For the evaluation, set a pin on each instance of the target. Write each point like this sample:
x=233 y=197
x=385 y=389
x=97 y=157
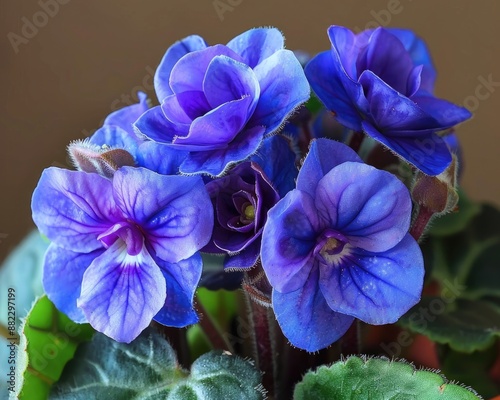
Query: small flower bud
x=438 y=193
x=103 y=160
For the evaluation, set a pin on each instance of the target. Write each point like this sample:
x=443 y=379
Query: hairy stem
x=213 y=333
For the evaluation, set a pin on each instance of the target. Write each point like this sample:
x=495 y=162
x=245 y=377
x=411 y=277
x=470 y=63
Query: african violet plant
x=314 y=204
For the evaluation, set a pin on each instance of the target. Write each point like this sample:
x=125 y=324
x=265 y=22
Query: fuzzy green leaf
x=49 y=340
x=147 y=369
x=465 y=325
x=377 y=379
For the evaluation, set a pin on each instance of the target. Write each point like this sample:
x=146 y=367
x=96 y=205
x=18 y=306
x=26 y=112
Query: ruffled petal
x=377 y=288
x=420 y=55
x=288 y=241
x=190 y=70
x=447 y=114
x=73 y=207
x=283 y=87
x=338 y=92
x=324 y=154
x=255 y=45
x=160 y=158
x=427 y=152
x=155 y=126
x=121 y=294
x=227 y=80
x=245 y=259
x=306 y=319
x=174 y=212
x=217 y=128
x=277 y=160
x=126 y=116
x=372 y=208
x=173 y=54
x=392 y=112
x=62 y=278
x=182 y=280
x=215 y=162
x=386 y=57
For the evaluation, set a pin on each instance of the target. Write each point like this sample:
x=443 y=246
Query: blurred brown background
x=84 y=59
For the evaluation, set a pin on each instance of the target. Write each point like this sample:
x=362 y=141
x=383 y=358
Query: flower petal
x=62 y=278
x=392 y=112
x=227 y=80
x=155 y=126
x=306 y=319
x=283 y=87
x=245 y=259
x=428 y=152
x=160 y=158
x=324 y=154
x=420 y=55
x=73 y=207
x=277 y=160
x=126 y=116
x=174 y=212
x=182 y=280
x=447 y=114
x=215 y=162
x=288 y=241
x=372 y=208
x=217 y=128
x=173 y=54
x=255 y=45
x=377 y=288
x=121 y=294
x=336 y=90
x=190 y=70
x=115 y=137
x=386 y=57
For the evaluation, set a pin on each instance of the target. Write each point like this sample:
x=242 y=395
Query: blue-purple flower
x=219 y=102
x=241 y=201
x=338 y=248
x=380 y=82
x=124 y=250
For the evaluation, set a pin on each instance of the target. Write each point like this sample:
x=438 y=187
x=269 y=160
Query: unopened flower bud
x=103 y=160
x=438 y=193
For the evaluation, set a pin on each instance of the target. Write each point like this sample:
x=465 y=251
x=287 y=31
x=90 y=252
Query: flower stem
x=213 y=333
x=420 y=223
x=356 y=140
x=263 y=346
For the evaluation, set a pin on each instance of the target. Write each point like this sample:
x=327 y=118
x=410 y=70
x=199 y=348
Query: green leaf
x=20 y=283
x=465 y=325
x=470 y=256
x=457 y=221
x=377 y=379
x=48 y=341
x=147 y=369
